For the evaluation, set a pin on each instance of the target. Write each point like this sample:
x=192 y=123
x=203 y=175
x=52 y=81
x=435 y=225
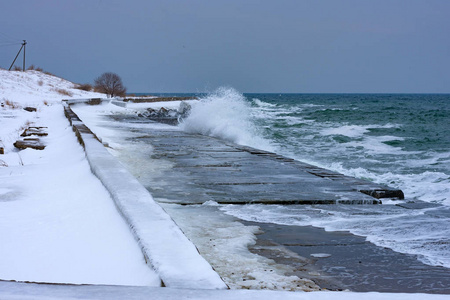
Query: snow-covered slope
x=57 y=221
x=35 y=88
x=31 y=88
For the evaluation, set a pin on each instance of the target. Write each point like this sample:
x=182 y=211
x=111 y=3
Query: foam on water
x=370 y=151
x=380 y=152
x=225 y=114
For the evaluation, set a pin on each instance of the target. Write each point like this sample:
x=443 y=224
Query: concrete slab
x=206 y=168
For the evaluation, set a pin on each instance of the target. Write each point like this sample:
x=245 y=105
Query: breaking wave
x=225 y=114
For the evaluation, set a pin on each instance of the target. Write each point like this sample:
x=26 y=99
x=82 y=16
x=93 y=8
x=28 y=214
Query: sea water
x=401 y=140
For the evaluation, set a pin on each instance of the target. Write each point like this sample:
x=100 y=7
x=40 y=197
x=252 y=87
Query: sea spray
x=225 y=114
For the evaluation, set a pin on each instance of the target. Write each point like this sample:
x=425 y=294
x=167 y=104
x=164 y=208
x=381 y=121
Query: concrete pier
x=206 y=168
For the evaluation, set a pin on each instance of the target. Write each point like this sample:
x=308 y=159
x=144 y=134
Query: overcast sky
x=319 y=46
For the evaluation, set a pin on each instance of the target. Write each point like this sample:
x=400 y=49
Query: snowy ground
x=57 y=221
x=59 y=224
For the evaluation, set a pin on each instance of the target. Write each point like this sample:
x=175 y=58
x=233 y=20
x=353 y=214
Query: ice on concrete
x=167 y=249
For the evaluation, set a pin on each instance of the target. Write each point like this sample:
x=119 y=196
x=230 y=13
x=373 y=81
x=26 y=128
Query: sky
x=298 y=46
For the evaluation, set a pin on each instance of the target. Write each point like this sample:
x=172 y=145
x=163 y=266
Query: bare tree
x=110 y=84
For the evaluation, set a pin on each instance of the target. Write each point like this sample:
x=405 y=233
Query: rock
x=163 y=115
x=33 y=143
x=168 y=116
x=39 y=131
x=30 y=109
x=384 y=193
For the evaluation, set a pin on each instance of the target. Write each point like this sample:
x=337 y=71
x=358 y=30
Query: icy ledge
x=14 y=291
x=163 y=244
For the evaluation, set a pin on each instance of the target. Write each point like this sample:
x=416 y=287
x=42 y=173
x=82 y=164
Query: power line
x=6 y=38
x=9 y=44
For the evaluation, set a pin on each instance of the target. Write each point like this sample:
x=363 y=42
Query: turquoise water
x=399 y=140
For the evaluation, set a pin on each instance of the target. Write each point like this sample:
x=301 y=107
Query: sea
x=400 y=140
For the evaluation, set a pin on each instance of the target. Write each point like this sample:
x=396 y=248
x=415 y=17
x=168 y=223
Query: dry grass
x=11 y=104
x=17 y=68
x=64 y=92
x=84 y=87
x=40 y=82
x=33 y=67
x=45 y=102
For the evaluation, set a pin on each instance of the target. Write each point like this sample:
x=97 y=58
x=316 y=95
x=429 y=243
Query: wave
x=225 y=114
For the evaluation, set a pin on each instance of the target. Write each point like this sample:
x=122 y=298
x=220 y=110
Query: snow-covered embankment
x=57 y=221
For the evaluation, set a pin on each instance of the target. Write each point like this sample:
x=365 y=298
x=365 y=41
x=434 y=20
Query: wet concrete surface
x=207 y=169
x=347 y=261
x=210 y=169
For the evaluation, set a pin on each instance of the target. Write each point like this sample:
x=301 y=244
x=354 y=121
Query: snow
x=57 y=221
x=59 y=224
x=16 y=291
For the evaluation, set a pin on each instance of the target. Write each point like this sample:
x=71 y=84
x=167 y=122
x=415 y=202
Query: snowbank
x=57 y=221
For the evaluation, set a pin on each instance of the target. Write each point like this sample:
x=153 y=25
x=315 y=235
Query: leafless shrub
x=110 y=84
x=17 y=68
x=84 y=87
x=11 y=104
x=33 y=67
x=64 y=92
x=40 y=82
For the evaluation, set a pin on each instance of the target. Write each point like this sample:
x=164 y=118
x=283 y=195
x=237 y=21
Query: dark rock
x=33 y=143
x=167 y=116
x=30 y=109
x=384 y=193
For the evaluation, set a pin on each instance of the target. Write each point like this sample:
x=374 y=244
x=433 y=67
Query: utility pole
x=24 y=43
x=23 y=46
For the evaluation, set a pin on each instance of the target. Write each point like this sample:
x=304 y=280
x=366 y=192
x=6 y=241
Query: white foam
x=227 y=115
x=354 y=130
